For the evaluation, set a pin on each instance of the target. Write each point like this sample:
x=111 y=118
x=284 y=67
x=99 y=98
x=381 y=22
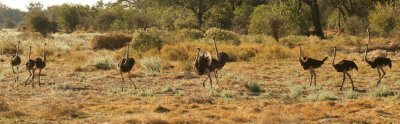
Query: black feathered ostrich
x=205 y=64
x=344 y=66
x=125 y=65
x=41 y=62
x=310 y=64
x=377 y=62
x=30 y=66
x=15 y=61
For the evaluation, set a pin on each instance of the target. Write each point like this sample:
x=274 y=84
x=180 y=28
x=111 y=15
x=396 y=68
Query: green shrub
x=380 y=91
x=9 y=47
x=190 y=34
x=355 y=25
x=145 y=40
x=384 y=19
x=112 y=41
x=350 y=94
x=146 y=93
x=38 y=22
x=151 y=64
x=106 y=62
x=228 y=94
x=222 y=35
x=321 y=95
x=252 y=87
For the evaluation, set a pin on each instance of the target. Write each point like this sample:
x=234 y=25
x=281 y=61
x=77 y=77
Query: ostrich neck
x=29 y=54
x=216 y=49
x=127 y=52
x=198 y=54
x=17 y=50
x=334 y=56
x=300 y=59
x=44 y=53
x=366 y=52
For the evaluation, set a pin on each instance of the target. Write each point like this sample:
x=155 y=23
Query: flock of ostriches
x=206 y=65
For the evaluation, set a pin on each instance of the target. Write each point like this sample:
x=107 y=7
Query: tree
x=38 y=21
x=313 y=4
x=197 y=7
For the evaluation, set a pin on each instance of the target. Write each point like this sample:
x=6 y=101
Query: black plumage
x=344 y=66
x=30 y=66
x=205 y=64
x=41 y=62
x=310 y=64
x=15 y=62
x=378 y=63
x=125 y=65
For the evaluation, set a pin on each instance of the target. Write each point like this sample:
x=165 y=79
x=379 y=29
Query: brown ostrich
x=30 y=66
x=310 y=64
x=125 y=65
x=41 y=62
x=205 y=64
x=377 y=62
x=15 y=62
x=344 y=66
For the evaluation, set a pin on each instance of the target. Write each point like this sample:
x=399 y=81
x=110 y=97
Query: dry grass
x=79 y=94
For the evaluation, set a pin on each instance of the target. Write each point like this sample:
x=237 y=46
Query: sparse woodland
x=266 y=79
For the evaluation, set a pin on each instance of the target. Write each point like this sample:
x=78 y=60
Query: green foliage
x=381 y=91
x=384 y=19
x=69 y=16
x=240 y=21
x=252 y=87
x=322 y=95
x=103 y=62
x=355 y=25
x=38 y=21
x=223 y=35
x=151 y=64
x=219 y=17
x=104 y=20
x=350 y=94
x=144 y=40
x=294 y=21
x=190 y=34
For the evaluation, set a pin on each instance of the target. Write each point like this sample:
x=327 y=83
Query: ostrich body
x=16 y=61
x=30 y=66
x=310 y=64
x=205 y=64
x=344 y=66
x=41 y=63
x=125 y=65
x=377 y=62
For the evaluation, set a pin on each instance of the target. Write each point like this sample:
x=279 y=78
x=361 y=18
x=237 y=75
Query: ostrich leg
x=351 y=80
x=344 y=79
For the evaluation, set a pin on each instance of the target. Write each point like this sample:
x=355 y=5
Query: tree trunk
x=315 y=17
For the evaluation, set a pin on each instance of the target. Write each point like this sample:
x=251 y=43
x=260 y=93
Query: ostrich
x=218 y=63
x=15 y=61
x=125 y=66
x=30 y=66
x=205 y=64
x=344 y=66
x=310 y=64
x=377 y=62
x=41 y=63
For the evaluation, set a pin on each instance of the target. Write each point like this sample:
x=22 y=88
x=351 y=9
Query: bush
x=151 y=64
x=111 y=41
x=322 y=95
x=384 y=19
x=252 y=87
x=350 y=94
x=145 y=40
x=175 y=52
x=190 y=34
x=381 y=91
x=355 y=25
x=103 y=62
x=9 y=47
x=223 y=35
x=38 y=21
